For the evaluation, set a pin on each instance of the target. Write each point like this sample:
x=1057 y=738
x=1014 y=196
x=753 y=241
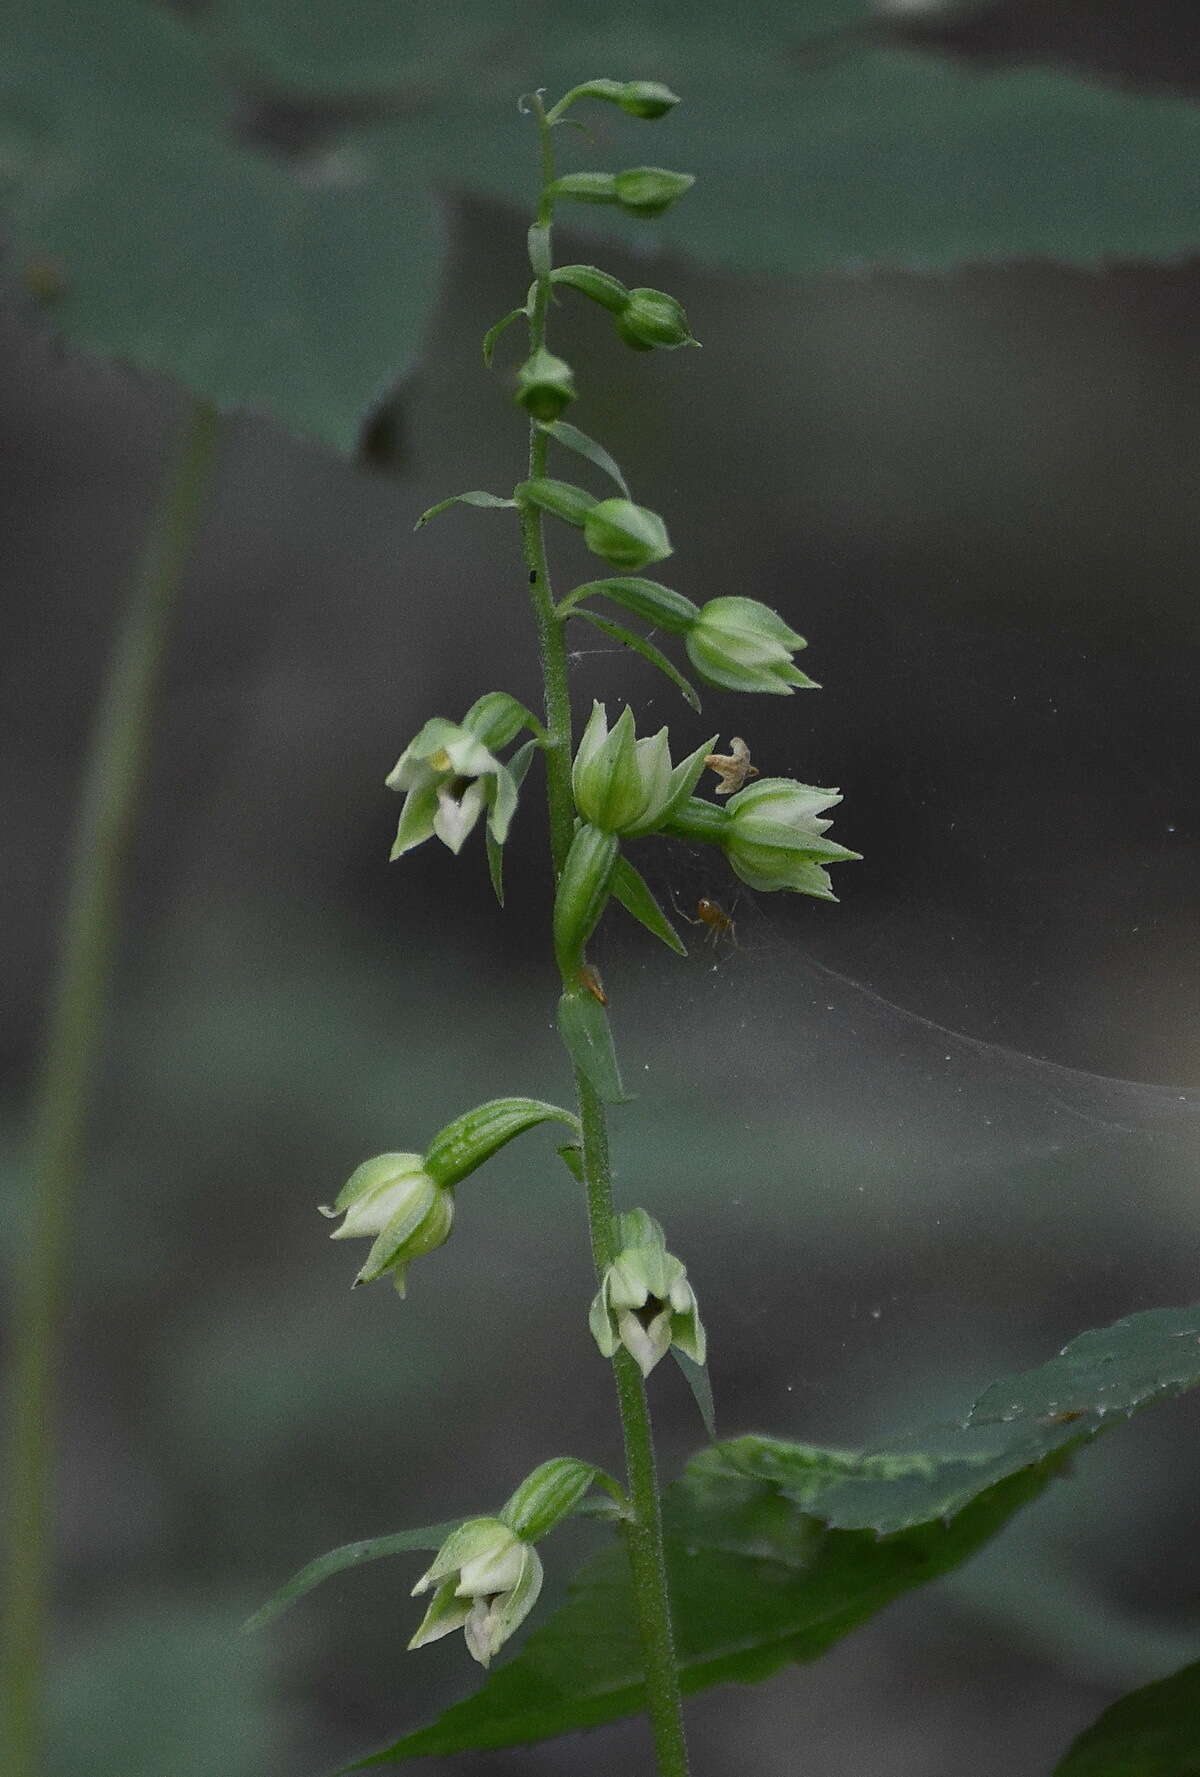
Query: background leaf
x=1155 y=1732
x=300 y=283
x=777 y=1550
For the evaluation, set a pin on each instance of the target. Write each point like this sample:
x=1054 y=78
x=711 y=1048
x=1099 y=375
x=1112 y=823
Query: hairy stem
x=644 y=1536
x=113 y=776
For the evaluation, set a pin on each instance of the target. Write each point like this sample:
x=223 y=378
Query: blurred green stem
x=643 y=1535
x=114 y=771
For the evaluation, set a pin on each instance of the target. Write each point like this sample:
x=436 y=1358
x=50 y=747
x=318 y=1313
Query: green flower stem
x=113 y=777
x=644 y=1537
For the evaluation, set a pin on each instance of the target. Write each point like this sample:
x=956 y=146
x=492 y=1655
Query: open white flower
x=645 y=1301
x=449 y=778
x=485 y=1581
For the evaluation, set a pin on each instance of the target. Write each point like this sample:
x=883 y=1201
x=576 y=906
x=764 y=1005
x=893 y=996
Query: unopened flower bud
x=743 y=645
x=625 y=785
x=393 y=1200
x=629 y=536
x=773 y=837
x=648 y=191
x=646 y=98
x=653 y=319
x=545 y=385
x=645 y=1302
x=485 y=1581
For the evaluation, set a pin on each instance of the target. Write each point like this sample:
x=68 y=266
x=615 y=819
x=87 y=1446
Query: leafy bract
x=401 y=1542
x=1154 y=1732
x=775 y=1550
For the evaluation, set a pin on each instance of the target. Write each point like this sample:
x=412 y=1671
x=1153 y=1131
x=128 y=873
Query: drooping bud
x=393 y=1199
x=485 y=1581
x=648 y=191
x=645 y=1302
x=625 y=785
x=640 y=98
x=545 y=385
x=773 y=837
x=629 y=536
x=743 y=645
x=653 y=319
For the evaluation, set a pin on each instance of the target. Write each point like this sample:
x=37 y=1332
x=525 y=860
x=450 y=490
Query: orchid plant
x=609 y=787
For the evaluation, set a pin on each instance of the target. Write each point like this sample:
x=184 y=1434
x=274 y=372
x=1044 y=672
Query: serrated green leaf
x=630 y=888
x=776 y=1550
x=1153 y=1732
x=403 y=1542
x=573 y=439
x=755 y=1585
x=618 y=633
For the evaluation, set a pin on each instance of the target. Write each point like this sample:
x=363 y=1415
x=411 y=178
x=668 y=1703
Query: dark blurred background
x=905 y=1144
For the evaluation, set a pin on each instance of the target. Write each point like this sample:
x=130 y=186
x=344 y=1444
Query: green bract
x=545 y=385
x=449 y=777
x=625 y=785
x=742 y=645
x=645 y=1302
x=393 y=1200
x=651 y=318
x=773 y=837
x=629 y=536
x=487 y=1581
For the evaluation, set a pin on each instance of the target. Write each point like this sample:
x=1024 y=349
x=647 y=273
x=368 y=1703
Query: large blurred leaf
x=806 y=161
x=776 y=1550
x=301 y=286
x=295 y=289
x=1154 y=1732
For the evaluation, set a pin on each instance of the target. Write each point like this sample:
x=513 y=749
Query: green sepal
x=652 y=320
x=696 y=1376
x=469 y=1140
x=496 y=718
x=647 y=650
x=648 y=191
x=581 y=894
x=629 y=887
x=603 y=288
x=655 y=604
x=564 y=433
x=493 y=333
x=475 y=498
x=583 y=1026
x=571 y=1155
x=585 y=188
x=684 y=779
x=349 y=1555
x=548 y=1495
x=562 y=498
x=517 y=767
